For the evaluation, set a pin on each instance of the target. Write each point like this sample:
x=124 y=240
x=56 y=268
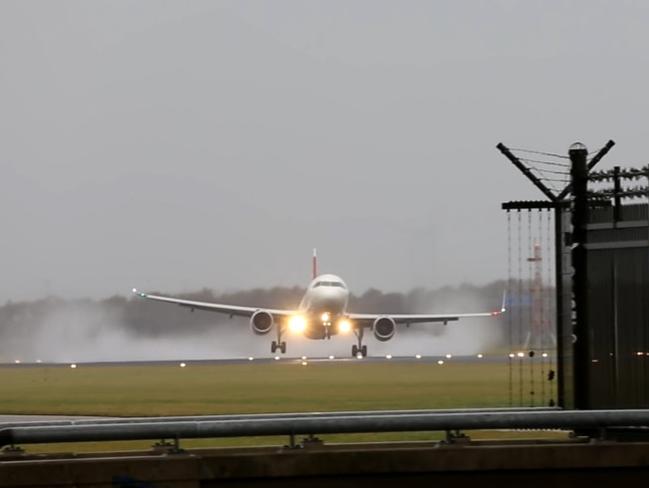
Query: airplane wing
x=230 y=310
x=418 y=318
x=366 y=319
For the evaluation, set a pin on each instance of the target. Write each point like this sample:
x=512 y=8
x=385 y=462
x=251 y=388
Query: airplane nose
x=332 y=300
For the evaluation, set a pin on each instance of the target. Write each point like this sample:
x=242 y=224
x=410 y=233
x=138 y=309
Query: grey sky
x=175 y=145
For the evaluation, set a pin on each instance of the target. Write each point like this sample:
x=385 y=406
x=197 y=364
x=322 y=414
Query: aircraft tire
x=282 y=347
x=354 y=350
x=273 y=347
x=364 y=351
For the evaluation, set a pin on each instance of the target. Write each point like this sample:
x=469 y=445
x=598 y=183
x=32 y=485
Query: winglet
x=138 y=293
x=314 y=264
x=503 y=307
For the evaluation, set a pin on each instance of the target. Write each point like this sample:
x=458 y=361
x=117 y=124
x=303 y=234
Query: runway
x=268 y=360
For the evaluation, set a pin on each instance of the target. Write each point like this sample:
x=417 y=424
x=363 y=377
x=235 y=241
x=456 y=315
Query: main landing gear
x=279 y=343
x=360 y=348
x=356 y=350
x=274 y=346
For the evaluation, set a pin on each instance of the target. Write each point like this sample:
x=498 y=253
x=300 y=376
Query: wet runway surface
x=267 y=360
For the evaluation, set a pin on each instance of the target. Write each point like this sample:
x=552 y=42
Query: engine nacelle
x=384 y=328
x=261 y=322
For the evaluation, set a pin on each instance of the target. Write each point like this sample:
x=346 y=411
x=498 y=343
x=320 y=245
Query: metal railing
x=312 y=424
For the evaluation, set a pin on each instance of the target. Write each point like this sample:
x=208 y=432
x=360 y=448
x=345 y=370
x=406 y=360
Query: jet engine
x=261 y=322
x=384 y=328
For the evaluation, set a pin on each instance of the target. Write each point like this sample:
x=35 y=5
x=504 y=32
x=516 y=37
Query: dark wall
x=618 y=308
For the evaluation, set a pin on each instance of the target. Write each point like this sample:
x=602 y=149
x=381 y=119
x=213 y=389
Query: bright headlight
x=325 y=317
x=344 y=326
x=297 y=324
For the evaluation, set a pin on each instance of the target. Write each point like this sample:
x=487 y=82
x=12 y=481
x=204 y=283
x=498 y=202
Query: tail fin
x=314 y=264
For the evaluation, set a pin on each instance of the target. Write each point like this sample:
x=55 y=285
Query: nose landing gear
x=360 y=348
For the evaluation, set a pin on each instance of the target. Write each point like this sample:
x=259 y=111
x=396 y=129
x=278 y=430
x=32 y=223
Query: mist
x=118 y=329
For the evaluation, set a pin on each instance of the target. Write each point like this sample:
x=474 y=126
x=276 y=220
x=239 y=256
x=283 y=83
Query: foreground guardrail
x=252 y=416
x=330 y=424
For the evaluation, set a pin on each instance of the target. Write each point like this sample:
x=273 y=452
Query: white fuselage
x=324 y=304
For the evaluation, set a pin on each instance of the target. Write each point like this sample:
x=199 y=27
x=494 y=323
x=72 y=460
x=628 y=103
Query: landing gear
x=274 y=346
x=360 y=348
x=279 y=343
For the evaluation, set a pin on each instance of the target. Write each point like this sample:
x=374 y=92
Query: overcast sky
x=177 y=145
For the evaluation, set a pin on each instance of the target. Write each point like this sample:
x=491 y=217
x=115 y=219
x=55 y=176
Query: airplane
x=321 y=314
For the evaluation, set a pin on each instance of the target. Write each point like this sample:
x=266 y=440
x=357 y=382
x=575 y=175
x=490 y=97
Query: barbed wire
x=624 y=173
x=548 y=163
x=633 y=192
x=543 y=153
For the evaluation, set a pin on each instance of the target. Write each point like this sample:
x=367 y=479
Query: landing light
x=251 y=358
x=418 y=356
x=520 y=354
x=511 y=355
x=449 y=356
x=73 y=366
x=480 y=356
x=17 y=361
x=304 y=363
x=182 y=365
x=276 y=358
x=344 y=326
x=332 y=357
x=440 y=362
x=388 y=356
x=325 y=317
x=297 y=324
x=359 y=356
x=545 y=354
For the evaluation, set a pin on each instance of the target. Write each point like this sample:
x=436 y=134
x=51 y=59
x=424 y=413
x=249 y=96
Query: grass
x=249 y=388
x=202 y=389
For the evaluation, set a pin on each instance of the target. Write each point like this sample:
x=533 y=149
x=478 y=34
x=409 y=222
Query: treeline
x=149 y=319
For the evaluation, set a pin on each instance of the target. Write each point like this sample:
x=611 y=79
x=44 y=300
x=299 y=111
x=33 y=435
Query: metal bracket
x=311 y=441
x=456 y=437
x=12 y=451
x=166 y=447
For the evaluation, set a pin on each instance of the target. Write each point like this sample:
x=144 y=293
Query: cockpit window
x=328 y=283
